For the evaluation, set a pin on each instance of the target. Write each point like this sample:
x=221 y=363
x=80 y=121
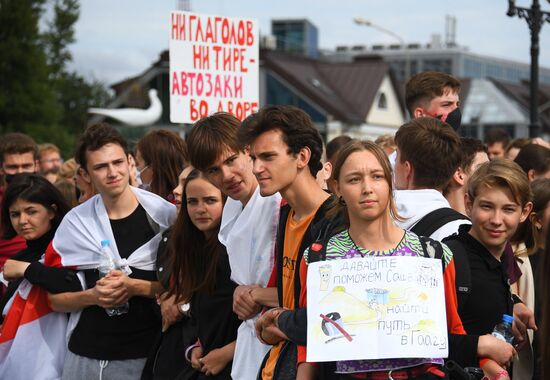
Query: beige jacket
x=523 y=364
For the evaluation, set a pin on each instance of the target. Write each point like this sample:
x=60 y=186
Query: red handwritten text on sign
x=213 y=66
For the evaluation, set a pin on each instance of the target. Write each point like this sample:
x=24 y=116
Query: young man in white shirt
x=132 y=220
x=248 y=228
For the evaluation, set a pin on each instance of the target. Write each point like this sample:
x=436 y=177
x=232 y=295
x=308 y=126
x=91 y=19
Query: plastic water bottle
x=503 y=330
x=106 y=265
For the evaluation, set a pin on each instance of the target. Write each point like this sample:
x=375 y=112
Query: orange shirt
x=294 y=233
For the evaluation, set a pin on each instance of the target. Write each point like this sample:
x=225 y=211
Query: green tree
x=27 y=99
x=38 y=94
x=59 y=36
x=75 y=94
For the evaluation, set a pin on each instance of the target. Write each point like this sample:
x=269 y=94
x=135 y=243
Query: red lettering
x=199 y=36
x=225 y=31
x=217 y=87
x=249 y=33
x=232 y=37
x=242 y=67
x=247 y=107
x=175 y=85
x=201 y=57
x=236 y=54
x=238 y=85
x=217 y=50
x=193 y=112
x=191 y=77
x=209 y=36
x=239 y=109
x=178 y=26
x=192 y=18
x=226 y=59
x=253 y=107
x=209 y=83
x=200 y=84
x=230 y=58
x=227 y=91
x=217 y=21
x=201 y=112
x=240 y=33
x=184 y=87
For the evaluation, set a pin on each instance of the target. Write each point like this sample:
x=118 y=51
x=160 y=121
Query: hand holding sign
x=376 y=307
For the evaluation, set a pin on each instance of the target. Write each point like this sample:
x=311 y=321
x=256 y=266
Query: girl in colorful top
x=362 y=174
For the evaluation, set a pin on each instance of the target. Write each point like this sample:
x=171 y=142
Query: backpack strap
x=432 y=249
x=279 y=248
x=317 y=252
x=463 y=274
x=436 y=219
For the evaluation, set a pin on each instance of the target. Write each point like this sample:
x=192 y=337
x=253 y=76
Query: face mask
x=10 y=177
x=137 y=176
x=139 y=181
x=453 y=119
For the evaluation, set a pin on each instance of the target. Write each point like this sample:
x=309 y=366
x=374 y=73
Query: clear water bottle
x=503 y=330
x=106 y=265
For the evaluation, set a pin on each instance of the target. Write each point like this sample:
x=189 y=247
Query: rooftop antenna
x=184 y=5
x=450 y=31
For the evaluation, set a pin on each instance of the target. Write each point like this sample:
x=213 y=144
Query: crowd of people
x=188 y=259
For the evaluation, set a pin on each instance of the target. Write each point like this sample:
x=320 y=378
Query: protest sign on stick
x=213 y=66
x=376 y=308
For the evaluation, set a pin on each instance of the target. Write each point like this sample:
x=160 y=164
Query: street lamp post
x=535 y=18
x=362 y=21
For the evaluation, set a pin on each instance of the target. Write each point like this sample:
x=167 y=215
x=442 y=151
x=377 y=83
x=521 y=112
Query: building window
x=278 y=93
x=382 y=102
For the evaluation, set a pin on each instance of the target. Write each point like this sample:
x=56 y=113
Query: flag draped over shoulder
x=249 y=236
x=77 y=241
x=32 y=341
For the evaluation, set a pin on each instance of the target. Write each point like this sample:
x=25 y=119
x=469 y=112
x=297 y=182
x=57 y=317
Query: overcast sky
x=117 y=39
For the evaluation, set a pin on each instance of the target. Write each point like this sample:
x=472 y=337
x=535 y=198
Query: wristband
x=501 y=375
x=516 y=299
x=189 y=349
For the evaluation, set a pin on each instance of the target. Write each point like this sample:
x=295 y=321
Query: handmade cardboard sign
x=213 y=66
x=376 y=308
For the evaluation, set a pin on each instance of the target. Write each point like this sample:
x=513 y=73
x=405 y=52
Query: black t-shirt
x=127 y=336
x=213 y=314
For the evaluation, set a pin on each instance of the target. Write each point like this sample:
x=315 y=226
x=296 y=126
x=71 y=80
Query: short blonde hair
x=68 y=169
x=47 y=147
x=504 y=174
x=385 y=141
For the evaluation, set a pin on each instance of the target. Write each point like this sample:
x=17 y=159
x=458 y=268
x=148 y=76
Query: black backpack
x=433 y=221
x=436 y=219
x=463 y=275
